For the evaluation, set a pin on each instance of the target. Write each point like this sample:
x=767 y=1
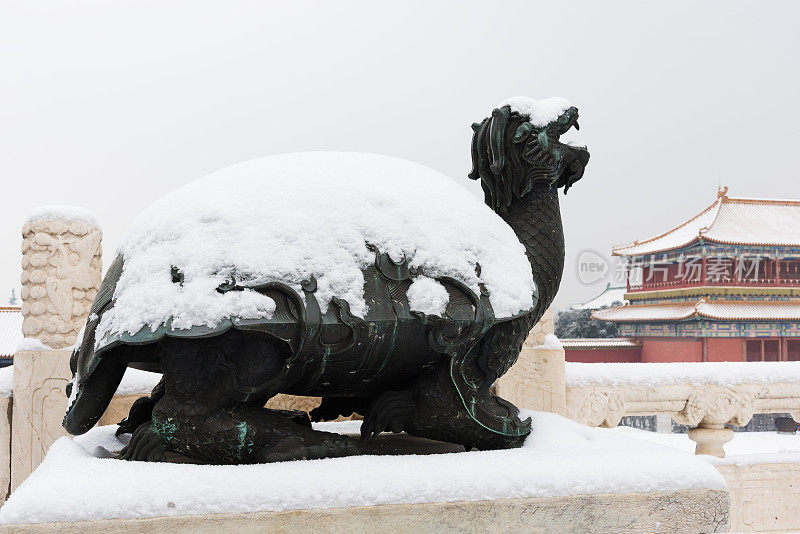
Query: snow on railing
x=705 y=396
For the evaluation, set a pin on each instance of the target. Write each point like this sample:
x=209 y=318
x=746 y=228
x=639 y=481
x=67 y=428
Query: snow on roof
x=287 y=218
x=675 y=238
x=561 y=457
x=736 y=221
x=692 y=373
x=756 y=310
x=718 y=309
x=540 y=113
x=609 y=296
x=759 y=222
x=600 y=342
x=61 y=213
x=647 y=312
x=10 y=330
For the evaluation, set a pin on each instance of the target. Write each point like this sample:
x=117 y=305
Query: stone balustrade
x=711 y=396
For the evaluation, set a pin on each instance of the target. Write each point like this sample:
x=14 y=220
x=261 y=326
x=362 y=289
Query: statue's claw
x=311 y=447
x=145 y=446
x=297 y=417
x=140 y=413
x=392 y=410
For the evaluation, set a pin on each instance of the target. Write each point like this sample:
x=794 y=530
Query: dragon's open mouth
x=575 y=156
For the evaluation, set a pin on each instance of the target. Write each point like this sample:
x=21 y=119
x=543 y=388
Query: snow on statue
x=376 y=283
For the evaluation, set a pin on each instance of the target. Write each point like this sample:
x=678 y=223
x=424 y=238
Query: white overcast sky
x=109 y=105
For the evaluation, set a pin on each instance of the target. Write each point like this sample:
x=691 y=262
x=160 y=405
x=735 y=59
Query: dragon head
x=519 y=146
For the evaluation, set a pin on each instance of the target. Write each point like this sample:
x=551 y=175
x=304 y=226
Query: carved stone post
x=536 y=381
x=708 y=409
x=61 y=269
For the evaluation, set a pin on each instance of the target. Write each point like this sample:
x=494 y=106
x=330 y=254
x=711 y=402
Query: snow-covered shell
x=292 y=217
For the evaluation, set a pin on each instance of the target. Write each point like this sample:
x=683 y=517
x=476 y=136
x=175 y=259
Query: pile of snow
x=540 y=112
x=32 y=344
x=290 y=217
x=428 y=296
x=6 y=382
x=61 y=213
x=560 y=458
x=745 y=448
x=694 y=373
x=136 y=382
x=551 y=341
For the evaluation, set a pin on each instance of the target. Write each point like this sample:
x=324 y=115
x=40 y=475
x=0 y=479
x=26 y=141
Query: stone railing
x=61 y=267
x=704 y=396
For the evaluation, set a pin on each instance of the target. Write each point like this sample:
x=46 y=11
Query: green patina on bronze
x=164 y=428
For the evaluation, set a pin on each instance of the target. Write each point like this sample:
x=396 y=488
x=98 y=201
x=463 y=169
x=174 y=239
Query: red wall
x=721 y=349
x=604 y=355
x=663 y=350
x=668 y=350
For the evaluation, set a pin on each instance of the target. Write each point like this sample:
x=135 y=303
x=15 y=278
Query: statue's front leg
x=141 y=411
x=238 y=434
x=431 y=408
x=202 y=420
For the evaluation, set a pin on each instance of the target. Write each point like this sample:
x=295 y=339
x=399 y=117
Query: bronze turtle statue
x=426 y=373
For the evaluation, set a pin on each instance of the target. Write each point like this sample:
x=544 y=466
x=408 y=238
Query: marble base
x=40 y=401
x=5 y=448
x=764 y=497
x=691 y=511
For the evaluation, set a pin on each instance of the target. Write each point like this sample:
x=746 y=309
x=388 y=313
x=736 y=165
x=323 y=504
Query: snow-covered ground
x=560 y=458
x=694 y=373
x=6 y=381
x=745 y=447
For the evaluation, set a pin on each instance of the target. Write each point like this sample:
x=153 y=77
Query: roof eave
x=617 y=251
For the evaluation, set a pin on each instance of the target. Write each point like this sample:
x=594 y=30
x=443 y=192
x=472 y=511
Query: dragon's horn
x=497 y=133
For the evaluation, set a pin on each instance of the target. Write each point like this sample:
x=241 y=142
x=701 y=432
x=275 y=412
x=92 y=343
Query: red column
x=628 y=277
x=703 y=270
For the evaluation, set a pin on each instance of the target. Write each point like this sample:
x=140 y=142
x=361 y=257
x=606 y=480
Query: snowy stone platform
x=565 y=478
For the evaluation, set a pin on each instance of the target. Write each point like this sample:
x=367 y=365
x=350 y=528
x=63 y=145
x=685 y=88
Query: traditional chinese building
x=10 y=333
x=610 y=296
x=722 y=286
